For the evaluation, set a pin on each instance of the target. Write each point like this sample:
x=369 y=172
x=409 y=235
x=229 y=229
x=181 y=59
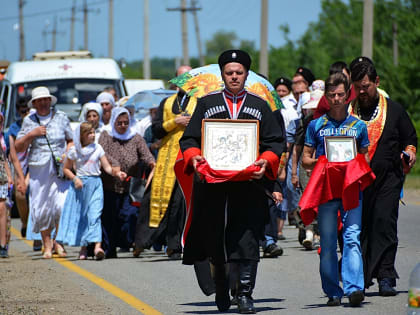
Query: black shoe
x=37 y=246
x=23 y=232
x=334 y=301
x=175 y=256
x=245 y=305
x=234 y=300
x=222 y=288
x=222 y=300
x=386 y=287
x=111 y=254
x=3 y=252
x=356 y=298
x=273 y=251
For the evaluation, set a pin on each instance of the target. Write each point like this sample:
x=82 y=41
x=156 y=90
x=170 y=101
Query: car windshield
x=71 y=93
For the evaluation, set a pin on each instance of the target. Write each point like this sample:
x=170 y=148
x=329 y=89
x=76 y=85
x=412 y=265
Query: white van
x=74 y=80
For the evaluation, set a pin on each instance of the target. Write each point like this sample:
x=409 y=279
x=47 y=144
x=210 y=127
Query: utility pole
x=367 y=48
x=263 y=69
x=111 y=29
x=53 y=33
x=21 y=32
x=184 y=33
x=72 y=20
x=146 y=43
x=85 y=22
x=197 y=32
x=395 y=42
x=86 y=11
x=184 y=9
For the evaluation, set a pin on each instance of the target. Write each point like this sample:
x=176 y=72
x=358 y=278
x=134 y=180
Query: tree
x=220 y=42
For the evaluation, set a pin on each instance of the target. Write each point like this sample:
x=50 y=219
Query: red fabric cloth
x=273 y=164
x=186 y=161
x=184 y=174
x=323 y=105
x=331 y=180
x=185 y=181
x=217 y=176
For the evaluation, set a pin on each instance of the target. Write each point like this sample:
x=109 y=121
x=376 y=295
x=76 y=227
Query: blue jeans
x=352 y=263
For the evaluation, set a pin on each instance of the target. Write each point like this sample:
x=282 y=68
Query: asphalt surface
x=289 y=284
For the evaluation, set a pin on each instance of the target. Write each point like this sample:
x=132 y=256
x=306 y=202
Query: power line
x=47 y=12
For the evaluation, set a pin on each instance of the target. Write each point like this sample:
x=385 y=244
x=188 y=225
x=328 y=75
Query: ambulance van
x=75 y=78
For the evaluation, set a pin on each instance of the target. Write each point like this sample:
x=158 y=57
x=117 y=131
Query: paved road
x=287 y=285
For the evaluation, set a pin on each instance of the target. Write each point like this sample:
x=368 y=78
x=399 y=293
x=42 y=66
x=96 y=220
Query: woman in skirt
x=80 y=222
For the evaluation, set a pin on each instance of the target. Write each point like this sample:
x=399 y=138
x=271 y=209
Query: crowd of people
x=75 y=187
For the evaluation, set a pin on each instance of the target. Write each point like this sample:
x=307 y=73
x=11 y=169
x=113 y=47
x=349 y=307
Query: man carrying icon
x=333 y=189
x=228 y=218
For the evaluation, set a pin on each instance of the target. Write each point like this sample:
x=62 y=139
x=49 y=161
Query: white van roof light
x=62 y=55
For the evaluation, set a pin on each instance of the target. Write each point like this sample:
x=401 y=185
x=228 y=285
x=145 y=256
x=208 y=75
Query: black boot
x=233 y=281
x=386 y=287
x=222 y=288
x=247 y=275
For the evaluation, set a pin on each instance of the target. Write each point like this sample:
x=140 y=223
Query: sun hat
x=41 y=92
x=318 y=85
x=314 y=100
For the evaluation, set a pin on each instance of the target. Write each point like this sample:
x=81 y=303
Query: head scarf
x=82 y=152
x=87 y=108
x=105 y=97
x=130 y=133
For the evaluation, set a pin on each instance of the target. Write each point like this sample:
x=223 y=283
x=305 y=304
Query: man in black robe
x=390 y=133
x=228 y=218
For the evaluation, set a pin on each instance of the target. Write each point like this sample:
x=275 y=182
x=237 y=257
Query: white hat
x=314 y=100
x=105 y=97
x=41 y=92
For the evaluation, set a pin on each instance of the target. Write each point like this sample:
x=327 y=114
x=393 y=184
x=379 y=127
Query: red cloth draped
x=331 y=180
x=185 y=175
x=217 y=176
x=185 y=181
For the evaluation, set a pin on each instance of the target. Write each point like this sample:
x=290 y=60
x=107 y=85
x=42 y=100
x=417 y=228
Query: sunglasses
x=24 y=111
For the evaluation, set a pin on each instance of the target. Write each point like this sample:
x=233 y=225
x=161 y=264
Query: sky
x=239 y=16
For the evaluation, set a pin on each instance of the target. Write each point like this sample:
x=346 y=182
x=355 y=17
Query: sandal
x=137 y=251
x=47 y=254
x=59 y=249
x=99 y=254
x=83 y=254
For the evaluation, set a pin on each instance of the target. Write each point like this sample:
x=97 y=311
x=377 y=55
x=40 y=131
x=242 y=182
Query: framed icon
x=230 y=145
x=340 y=148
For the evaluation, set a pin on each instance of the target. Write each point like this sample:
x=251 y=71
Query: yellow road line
x=107 y=286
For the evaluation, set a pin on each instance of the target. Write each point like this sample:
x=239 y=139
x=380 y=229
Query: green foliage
x=161 y=68
x=337 y=35
x=221 y=41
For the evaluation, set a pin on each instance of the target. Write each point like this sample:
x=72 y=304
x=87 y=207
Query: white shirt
x=143 y=124
x=289 y=111
x=90 y=167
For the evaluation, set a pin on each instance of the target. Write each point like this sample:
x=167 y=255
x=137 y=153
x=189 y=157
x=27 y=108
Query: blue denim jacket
x=58 y=131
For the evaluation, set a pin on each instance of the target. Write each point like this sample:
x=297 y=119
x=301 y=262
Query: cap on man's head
x=235 y=55
x=359 y=60
x=306 y=74
x=283 y=81
x=3 y=70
